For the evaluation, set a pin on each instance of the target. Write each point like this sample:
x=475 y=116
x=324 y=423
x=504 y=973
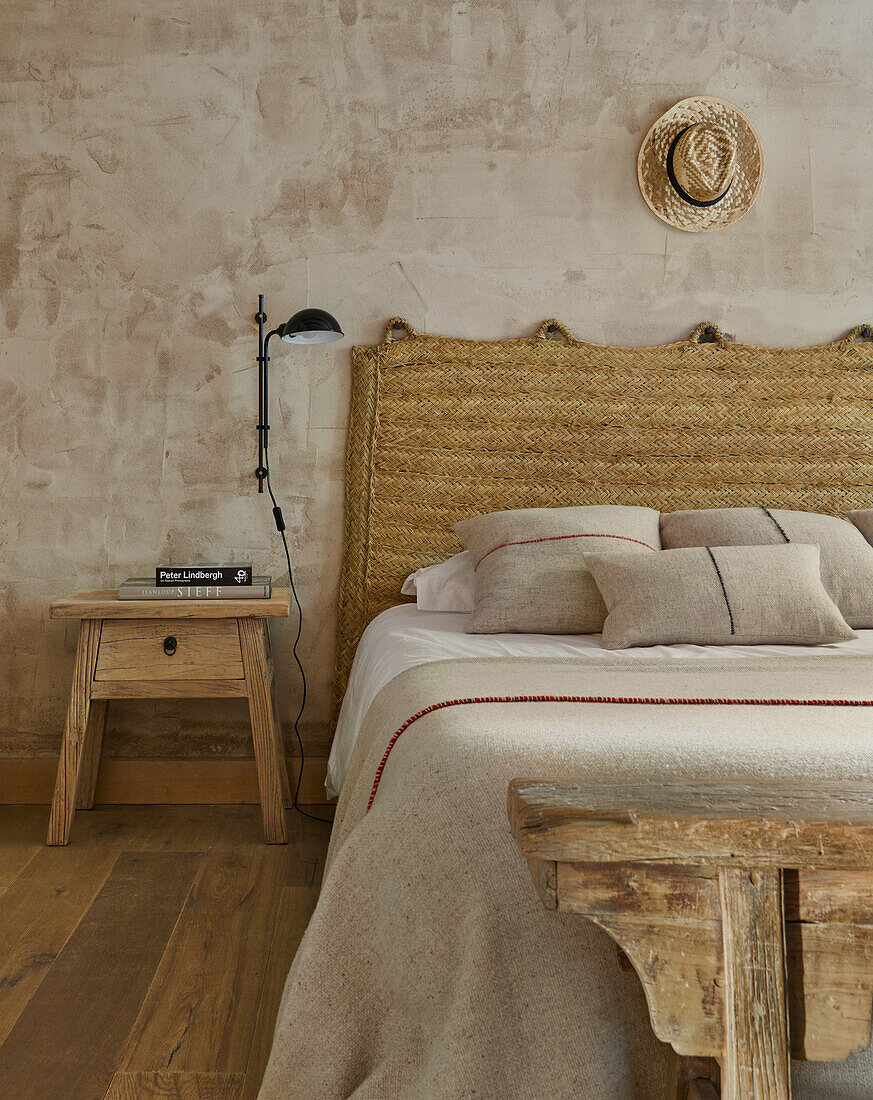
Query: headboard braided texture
x=443 y=428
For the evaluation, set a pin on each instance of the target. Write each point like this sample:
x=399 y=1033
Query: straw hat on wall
x=700 y=166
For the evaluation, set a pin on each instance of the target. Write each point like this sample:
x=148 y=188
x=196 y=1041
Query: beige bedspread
x=430 y=969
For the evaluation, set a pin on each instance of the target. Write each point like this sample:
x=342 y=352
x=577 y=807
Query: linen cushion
x=529 y=565
x=717 y=595
x=846 y=557
x=447 y=586
x=862 y=518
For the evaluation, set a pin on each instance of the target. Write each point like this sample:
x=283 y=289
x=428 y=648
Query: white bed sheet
x=403 y=637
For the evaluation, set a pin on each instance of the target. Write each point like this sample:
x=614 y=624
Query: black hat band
x=683 y=194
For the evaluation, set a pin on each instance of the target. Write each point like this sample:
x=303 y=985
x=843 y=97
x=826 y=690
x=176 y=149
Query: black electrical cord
x=280 y=527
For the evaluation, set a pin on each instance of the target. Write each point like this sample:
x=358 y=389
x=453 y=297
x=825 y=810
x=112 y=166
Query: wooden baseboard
x=160 y=782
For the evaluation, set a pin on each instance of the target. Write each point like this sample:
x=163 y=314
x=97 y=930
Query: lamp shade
x=311 y=326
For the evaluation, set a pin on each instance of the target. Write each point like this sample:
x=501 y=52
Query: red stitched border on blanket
x=557 y=538
x=605 y=699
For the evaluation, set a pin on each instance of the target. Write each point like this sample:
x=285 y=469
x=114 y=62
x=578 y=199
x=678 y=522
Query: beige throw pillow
x=846 y=557
x=717 y=595
x=529 y=565
x=862 y=518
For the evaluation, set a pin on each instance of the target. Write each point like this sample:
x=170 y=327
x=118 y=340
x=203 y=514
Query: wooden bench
x=746 y=913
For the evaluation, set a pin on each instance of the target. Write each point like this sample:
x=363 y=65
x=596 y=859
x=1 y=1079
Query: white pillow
x=444 y=587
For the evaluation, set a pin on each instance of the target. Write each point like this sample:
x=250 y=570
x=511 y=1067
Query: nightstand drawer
x=174 y=649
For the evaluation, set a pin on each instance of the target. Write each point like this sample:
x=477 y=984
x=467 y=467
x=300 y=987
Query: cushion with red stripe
x=529 y=568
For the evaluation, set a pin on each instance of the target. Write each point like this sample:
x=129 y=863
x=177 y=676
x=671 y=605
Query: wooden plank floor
x=147 y=959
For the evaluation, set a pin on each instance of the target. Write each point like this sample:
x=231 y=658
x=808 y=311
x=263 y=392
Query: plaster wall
x=469 y=165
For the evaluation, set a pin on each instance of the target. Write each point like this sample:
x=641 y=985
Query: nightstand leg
x=264 y=733
x=76 y=733
x=281 y=762
x=279 y=749
x=91 y=754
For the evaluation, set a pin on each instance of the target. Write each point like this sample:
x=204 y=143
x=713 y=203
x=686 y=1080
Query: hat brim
x=659 y=193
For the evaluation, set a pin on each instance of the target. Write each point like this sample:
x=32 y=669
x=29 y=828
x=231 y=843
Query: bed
x=402 y=638
x=429 y=969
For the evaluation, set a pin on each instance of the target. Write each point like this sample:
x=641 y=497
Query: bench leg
x=756 y=1061
x=265 y=736
x=77 y=734
x=91 y=754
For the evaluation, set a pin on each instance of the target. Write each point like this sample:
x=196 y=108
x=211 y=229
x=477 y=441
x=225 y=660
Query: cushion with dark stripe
x=717 y=595
x=846 y=557
x=862 y=518
x=529 y=566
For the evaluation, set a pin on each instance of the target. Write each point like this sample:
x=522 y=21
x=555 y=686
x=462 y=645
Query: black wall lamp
x=307 y=326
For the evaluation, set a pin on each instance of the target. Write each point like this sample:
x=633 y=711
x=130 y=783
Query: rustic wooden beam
x=810 y=827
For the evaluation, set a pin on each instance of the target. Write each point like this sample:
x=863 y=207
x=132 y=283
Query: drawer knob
x=170 y=644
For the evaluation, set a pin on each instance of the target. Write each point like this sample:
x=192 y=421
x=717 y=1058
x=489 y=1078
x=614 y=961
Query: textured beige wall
x=470 y=165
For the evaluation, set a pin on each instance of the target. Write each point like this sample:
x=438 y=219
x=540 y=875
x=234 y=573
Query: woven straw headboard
x=443 y=428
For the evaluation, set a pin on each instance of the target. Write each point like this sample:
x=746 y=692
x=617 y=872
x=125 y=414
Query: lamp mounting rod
x=263 y=428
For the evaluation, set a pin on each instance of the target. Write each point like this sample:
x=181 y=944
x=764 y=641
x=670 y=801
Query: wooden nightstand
x=148 y=649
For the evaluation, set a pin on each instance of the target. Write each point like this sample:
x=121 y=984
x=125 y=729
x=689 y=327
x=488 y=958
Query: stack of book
x=201 y=581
